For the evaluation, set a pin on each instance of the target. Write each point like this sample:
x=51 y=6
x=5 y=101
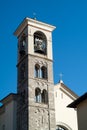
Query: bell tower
x=35 y=86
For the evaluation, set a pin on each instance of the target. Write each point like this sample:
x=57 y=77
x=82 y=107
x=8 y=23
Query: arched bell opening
x=22 y=46
x=40 y=43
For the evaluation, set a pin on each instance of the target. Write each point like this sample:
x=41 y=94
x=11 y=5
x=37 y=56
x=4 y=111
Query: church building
x=39 y=104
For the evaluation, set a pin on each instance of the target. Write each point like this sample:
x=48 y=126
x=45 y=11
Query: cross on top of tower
x=60 y=80
x=61 y=75
x=34 y=15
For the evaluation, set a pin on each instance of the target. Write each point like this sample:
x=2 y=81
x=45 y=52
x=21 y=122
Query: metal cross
x=34 y=14
x=61 y=75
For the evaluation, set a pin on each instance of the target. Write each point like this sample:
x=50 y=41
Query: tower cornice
x=32 y=22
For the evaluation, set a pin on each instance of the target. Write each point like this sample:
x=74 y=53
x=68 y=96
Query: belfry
x=35 y=87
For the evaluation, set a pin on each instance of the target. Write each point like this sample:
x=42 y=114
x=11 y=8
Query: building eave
x=70 y=91
x=78 y=101
x=8 y=98
x=2 y=109
x=64 y=87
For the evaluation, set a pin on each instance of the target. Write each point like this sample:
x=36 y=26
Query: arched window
x=37 y=71
x=44 y=96
x=44 y=72
x=22 y=45
x=40 y=43
x=37 y=95
x=60 y=128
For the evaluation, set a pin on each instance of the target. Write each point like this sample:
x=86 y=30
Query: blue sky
x=69 y=40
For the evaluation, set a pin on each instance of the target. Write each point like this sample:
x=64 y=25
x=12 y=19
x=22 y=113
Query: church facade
x=66 y=118
x=36 y=105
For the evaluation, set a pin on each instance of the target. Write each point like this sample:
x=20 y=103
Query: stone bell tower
x=35 y=87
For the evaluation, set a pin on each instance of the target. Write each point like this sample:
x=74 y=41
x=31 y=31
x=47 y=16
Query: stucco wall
x=64 y=116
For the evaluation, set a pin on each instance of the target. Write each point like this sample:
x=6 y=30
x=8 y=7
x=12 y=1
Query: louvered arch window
x=38 y=95
x=44 y=96
x=44 y=72
x=37 y=71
